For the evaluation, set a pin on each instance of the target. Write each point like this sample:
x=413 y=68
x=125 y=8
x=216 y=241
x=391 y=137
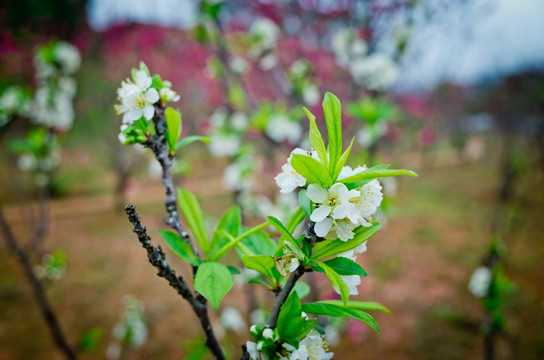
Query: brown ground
x=418 y=266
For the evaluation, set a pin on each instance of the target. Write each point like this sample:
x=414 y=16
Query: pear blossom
x=280 y=128
x=232 y=319
x=288 y=180
x=333 y=204
x=480 y=281
x=166 y=94
x=368 y=202
x=352 y=254
x=288 y=262
x=67 y=56
x=376 y=72
x=137 y=98
x=312 y=347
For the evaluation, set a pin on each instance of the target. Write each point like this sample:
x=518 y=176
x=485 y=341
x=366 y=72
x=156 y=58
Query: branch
x=158 y=259
x=38 y=290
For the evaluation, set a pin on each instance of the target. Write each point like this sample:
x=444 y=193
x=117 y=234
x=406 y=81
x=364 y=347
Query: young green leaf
x=372 y=173
x=302 y=289
x=342 y=161
x=291 y=325
x=321 y=308
x=213 y=280
x=191 y=139
x=316 y=139
x=193 y=214
x=264 y=264
x=312 y=170
x=359 y=305
x=297 y=216
x=229 y=223
x=144 y=67
x=258 y=281
x=260 y=243
x=173 y=126
x=333 y=118
x=279 y=226
x=336 y=281
x=334 y=247
x=343 y=266
x=179 y=247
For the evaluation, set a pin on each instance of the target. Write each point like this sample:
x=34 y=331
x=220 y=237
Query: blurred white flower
x=67 y=56
x=218 y=117
x=311 y=95
x=280 y=127
x=375 y=72
x=27 y=162
x=167 y=94
x=268 y=62
x=238 y=64
x=352 y=281
x=232 y=319
x=266 y=32
x=480 y=281
x=238 y=121
x=224 y=144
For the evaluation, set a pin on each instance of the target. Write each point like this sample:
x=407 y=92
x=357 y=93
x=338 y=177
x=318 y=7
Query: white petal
x=322 y=227
x=149 y=111
x=133 y=115
x=320 y=213
x=340 y=191
x=152 y=96
x=316 y=193
x=343 y=231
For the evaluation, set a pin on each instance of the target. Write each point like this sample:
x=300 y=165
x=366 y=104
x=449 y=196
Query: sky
x=468 y=45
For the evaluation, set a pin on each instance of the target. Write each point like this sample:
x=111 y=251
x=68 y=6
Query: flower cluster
x=138 y=97
x=375 y=71
x=14 y=100
x=336 y=207
x=264 y=34
x=52 y=106
x=302 y=85
x=131 y=330
x=311 y=347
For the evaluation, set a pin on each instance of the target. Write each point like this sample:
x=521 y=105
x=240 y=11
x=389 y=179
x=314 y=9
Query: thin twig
x=38 y=290
x=158 y=259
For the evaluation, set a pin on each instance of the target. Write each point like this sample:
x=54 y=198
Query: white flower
x=27 y=162
x=352 y=281
x=232 y=319
x=311 y=95
x=368 y=202
x=288 y=180
x=68 y=57
x=352 y=254
x=480 y=281
x=333 y=204
x=137 y=98
x=238 y=121
x=268 y=62
x=266 y=32
x=238 y=64
x=376 y=72
x=312 y=347
x=218 y=117
x=237 y=176
x=280 y=128
x=224 y=144
x=347 y=171
x=167 y=94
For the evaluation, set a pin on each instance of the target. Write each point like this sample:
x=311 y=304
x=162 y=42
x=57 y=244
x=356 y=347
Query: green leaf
x=373 y=173
x=233 y=270
x=260 y=243
x=316 y=139
x=179 y=247
x=359 y=305
x=312 y=170
x=144 y=67
x=193 y=214
x=333 y=247
x=342 y=161
x=229 y=223
x=258 y=281
x=333 y=118
x=173 y=125
x=343 y=266
x=336 y=281
x=213 y=280
x=264 y=264
x=291 y=325
x=305 y=202
x=333 y=310
x=279 y=226
x=191 y=139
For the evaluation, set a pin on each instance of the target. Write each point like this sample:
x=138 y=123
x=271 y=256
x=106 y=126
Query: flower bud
x=256 y=331
x=268 y=334
x=260 y=345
